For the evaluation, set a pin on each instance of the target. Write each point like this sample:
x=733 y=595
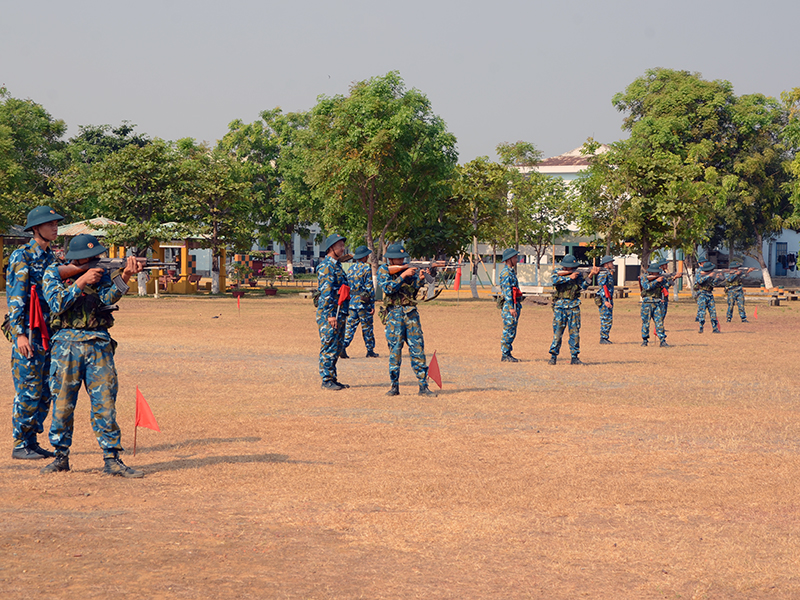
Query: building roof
x=569 y=162
x=95 y=227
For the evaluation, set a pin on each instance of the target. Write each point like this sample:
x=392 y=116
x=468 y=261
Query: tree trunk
x=494 y=263
x=290 y=257
x=473 y=282
x=214 y=272
x=141 y=282
x=759 y=256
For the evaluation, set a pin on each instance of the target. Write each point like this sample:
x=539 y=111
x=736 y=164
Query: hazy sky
x=543 y=72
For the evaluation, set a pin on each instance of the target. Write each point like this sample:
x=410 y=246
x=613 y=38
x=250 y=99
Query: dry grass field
x=649 y=473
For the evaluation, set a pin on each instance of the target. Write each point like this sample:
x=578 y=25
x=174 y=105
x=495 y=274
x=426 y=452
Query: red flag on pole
x=37 y=319
x=344 y=294
x=144 y=417
x=457 y=285
x=433 y=371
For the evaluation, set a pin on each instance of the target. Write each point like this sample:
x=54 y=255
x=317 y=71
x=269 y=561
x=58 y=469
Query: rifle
x=429 y=269
x=115 y=264
x=585 y=271
x=666 y=276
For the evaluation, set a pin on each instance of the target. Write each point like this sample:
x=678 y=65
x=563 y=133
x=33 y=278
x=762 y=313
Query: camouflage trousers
x=360 y=314
x=653 y=311
x=90 y=363
x=404 y=327
x=665 y=305
x=564 y=318
x=736 y=296
x=32 y=394
x=606 y=320
x=331 y=345
x=509 y=328
x=705 y=302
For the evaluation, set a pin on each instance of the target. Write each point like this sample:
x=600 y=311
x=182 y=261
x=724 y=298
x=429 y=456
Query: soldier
x=704 y=285
x=401 y=318
x=567 y=284
x=653 y=303
x=331 y=316
x=734 y=291
x=83 y=354
x=362 y=303
x=512 y=303
x=662 y=266
x=30 y=355
x=605 y=295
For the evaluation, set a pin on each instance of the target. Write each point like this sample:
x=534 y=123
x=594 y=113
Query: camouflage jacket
x=605 y=281
x=397 y=291
x=508 y=281
x=80 y=315
x=566 y=291
x=652 y=291
x=733 y=281
x=330 y=277
x=705 y=282
x=359 y=279
x=26 y=267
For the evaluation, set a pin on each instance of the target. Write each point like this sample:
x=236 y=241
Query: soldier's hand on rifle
x=90 y=277
x=595 y=270
x=133 y=266
x=409 y=272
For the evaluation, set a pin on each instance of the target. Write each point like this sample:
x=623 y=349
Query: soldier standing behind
x=704 y=285
x=30 y=361
x=605 y=295
x=401 y=318
x=512 y=303
x=83 y=354
x=362 y=303
x=331 y=277
x=662 y=266
x=653 y=303
x=568 y=284
x=734 y=290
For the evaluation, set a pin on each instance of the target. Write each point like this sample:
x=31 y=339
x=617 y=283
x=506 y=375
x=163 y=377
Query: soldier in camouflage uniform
x=704 y=286
x=653 y=303
x=362 y=303
x=568 y=284
x=512 y=303
x=605 y=297
x=30 y=360
x=83 y=354
x=331 y=317
x=662 y=265
x=399 y=315
x=734 y=290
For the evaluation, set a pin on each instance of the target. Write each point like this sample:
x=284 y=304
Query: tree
x=518 y=154
x=30 y=142
x=377 y=159
x=272 y=162
x=661 y=183
x=758 y=204
x=540 y=210
x=218 y=196
x=481 y=194
x=791 y=139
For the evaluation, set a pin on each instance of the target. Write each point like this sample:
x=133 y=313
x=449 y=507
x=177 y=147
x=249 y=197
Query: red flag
x=433 y=371
x=37 y=318
x=144 y=417
x=344 y=294
x=755 y=313
x=457 y=285
x=239 y=303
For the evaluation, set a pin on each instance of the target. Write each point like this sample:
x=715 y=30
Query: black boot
x=715 y=326
x=644 y=343
x=332 y=385
x=115 y=466
x=424 y=390
x=30 y=453
x=61 y=463
x=605 y=341
x=664 y=344
x=701 y=328
x=343 y=353
x=371 y=354
x=394 y=390
x=552 y=360
x=576 y=361
x=508 y=358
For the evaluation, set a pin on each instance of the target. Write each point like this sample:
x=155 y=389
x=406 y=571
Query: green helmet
x=84 y=246
x=41 y=215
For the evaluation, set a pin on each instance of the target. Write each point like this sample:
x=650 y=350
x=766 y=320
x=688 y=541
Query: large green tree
x=377 y=159
x=662 y=182
x=30 y=147
x=480 y=189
